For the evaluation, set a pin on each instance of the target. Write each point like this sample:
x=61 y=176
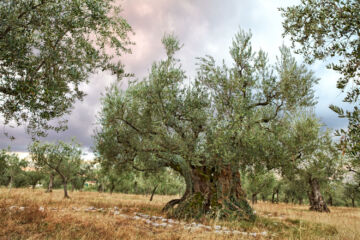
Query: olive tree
x=329 y=30
x=259 y=182
x=312 y=157
x=48 y=49
x=208 y=128
x=13 y=166
x=61 y=157
x=33 y=177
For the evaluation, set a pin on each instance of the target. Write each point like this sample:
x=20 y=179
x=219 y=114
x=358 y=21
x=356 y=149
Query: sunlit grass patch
x=66 y=219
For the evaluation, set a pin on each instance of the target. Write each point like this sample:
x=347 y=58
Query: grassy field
x=28 y=214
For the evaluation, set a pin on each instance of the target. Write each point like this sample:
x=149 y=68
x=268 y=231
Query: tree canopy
x=48 y=48
x=62 y=158
x=329 y=30
x=206 y=130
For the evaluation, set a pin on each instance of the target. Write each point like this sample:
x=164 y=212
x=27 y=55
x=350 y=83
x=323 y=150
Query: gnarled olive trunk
x=316 y=200
x=217 y=194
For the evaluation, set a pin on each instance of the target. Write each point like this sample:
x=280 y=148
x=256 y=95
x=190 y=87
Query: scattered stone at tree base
x=151 y=220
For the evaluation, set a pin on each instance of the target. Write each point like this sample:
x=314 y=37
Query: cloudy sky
x=204 y=27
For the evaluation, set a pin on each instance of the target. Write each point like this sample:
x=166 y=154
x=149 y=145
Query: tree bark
x=273 y=197
x=153 y=193
x=11 y=182
x=316 y=200
x=254 y=198
x=65 y=189
x=217 y=194
x=50 y=186
x=330 y=201
x=112 y=188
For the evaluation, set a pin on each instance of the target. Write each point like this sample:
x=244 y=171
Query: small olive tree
x=310 y=156
x=63 y=158
x=13 y=166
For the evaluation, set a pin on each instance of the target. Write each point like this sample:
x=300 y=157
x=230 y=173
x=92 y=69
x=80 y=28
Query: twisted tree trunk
x=316 y=200
x=217 y=194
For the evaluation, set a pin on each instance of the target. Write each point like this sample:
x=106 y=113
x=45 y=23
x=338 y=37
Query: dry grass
x=344 y=219
x=285 y=222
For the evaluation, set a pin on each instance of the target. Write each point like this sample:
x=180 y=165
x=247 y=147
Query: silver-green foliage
x=48 y=48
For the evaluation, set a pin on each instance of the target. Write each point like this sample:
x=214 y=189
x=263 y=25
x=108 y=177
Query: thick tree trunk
x=217 y=194
x=51 y=180
x=353 y=202
x=153 y=193
x=316 y=200
x=65 y=189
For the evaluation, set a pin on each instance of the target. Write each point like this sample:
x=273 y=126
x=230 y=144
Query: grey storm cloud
x=203 y=27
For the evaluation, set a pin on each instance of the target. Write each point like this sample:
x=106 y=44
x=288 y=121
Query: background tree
x=84 y=174
x=63 y=158
x=48 y=48
x=14 y=166
x=352 y=192
x=294 y=190
x=34 y=177
x=2 y=167
x=311 y=157
x=276 y=190
x=208 y=129
x=329 y=29
x=259 y=182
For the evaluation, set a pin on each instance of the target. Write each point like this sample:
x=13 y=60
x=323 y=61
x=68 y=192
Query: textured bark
x=316 y=200
x=217 y=194
x=51 y=181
